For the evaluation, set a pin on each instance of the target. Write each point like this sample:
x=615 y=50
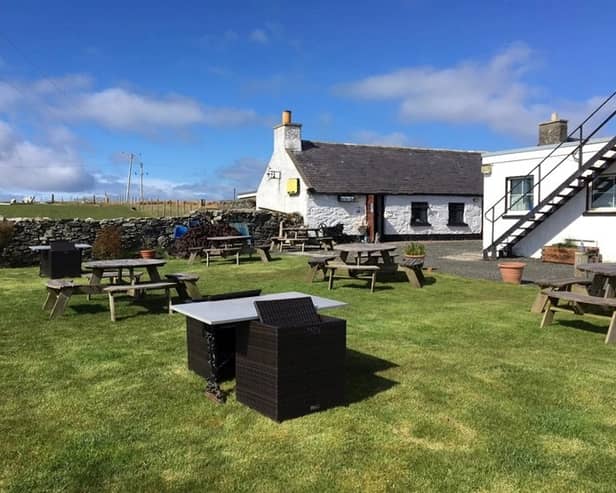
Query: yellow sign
x=293 y=186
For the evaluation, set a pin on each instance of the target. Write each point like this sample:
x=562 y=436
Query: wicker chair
x=291 y=361
x=63 y=260
x=197 y=346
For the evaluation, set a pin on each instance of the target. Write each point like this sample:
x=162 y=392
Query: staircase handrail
x=581 y=144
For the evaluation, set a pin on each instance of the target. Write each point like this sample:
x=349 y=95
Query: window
x=603 y=192
x=419 y=214
x=520 y=193
x=456 y=214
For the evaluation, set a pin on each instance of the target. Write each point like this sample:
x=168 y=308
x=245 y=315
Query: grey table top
x=364 y=247
x=242 y=309
x=124 y=263
x=606 y=269
x=38 y=248
x=228 y=238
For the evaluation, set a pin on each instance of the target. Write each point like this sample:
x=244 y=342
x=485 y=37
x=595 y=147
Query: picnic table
x=98 y=268
x=213 y=316
x=600 y=302
x=231 y=245
x=302 y=236
x=369 y=253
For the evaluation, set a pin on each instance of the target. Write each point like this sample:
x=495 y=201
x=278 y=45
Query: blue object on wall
x=179 y=231
x=242 y=228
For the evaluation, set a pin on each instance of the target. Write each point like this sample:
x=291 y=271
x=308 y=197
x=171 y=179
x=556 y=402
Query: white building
x=543 y=195
x=396 y=192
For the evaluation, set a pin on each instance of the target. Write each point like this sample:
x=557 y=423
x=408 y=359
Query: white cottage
x=397 y=192
x=559 y=190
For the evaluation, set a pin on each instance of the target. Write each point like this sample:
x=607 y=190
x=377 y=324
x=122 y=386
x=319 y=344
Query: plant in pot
x=415 y=250
x=511 y=272
x=147 y=253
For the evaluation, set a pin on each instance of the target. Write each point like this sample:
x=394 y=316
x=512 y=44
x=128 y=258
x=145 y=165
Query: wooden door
x=370 y=216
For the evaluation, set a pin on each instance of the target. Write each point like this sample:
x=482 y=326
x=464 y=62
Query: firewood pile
x=197 y=237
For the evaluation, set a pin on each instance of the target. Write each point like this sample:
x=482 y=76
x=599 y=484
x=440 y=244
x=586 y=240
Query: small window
x=456 y=214
x=419 y=214
x=346 y=198
x=520 y=194
x=603 y=192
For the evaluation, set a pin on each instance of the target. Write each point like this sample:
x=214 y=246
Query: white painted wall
x=325 y=209
x=398 y=215
x=567 y=222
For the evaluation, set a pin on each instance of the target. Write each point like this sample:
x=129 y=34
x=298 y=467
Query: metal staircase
x=548 y=205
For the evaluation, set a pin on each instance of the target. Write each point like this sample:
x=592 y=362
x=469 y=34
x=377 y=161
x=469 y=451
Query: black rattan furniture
x=211 y=349
x=290 y=362
x=62 y=259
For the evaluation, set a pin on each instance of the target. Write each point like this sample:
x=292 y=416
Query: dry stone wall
x=137 y=233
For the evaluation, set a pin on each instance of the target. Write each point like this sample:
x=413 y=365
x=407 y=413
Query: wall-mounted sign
x=293 y=186
x=486 y=169
x=346 y=198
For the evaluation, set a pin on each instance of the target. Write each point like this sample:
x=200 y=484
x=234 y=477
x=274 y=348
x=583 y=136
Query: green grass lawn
x=70 y=211
x=450 y=388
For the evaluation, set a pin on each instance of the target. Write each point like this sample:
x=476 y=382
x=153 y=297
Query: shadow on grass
x=597 y=328
x=361 y=379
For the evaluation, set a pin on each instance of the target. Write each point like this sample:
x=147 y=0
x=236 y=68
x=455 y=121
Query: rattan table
x=216 y=315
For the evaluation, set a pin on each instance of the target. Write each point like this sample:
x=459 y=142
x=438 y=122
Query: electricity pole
x=141 y=184
x=130 y=172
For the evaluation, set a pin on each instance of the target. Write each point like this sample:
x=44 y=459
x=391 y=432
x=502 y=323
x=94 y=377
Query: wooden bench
x=194 y=253
x=222 y=252
x=116 y=289
x=579 y=304
x=263 y=251
x=557 y=285
x=361 y=272
x=412 y=267
x=317 y=264
x=186 y=285
x=114 y=276
x=59 y=292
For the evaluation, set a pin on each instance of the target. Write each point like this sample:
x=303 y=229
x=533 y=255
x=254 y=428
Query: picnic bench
x=186 y=285
x=581 y=304
x=59 y=292
x=412 y=267
x=118 y=289
x=557 y=285
x=317 y=264
x=353 y=272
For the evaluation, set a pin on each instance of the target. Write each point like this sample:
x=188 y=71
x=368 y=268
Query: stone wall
x=137 y=233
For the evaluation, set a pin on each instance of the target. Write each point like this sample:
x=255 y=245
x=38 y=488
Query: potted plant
x=564 y=252
x=147 y=253
x=415 y=250
x=511 y=272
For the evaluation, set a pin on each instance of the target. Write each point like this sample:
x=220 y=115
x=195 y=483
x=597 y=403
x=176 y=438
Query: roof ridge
x=380 y=146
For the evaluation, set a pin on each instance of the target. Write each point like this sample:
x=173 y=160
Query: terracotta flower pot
x=147 y=253
x=511 y=272
x=417 y=257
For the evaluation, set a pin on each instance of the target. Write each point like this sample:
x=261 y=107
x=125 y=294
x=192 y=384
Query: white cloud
x=25 y=165
x=119 y=109
x=259 y=36
x=394 y=139
x=492 y=93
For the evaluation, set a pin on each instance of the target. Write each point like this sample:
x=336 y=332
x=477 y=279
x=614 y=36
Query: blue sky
x=195 y=87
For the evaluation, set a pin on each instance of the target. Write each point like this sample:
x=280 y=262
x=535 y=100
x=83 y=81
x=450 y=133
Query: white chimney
x=288 y=135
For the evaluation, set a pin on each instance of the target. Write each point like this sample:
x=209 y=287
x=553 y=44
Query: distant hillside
x=71 y=211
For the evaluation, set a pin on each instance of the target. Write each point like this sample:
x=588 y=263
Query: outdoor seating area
x=267 y=347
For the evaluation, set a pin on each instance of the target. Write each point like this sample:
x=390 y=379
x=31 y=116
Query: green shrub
x=108 y=243
x=7 y=228
x=415 y=249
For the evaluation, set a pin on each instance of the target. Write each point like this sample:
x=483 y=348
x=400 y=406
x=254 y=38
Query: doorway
x=375 y=205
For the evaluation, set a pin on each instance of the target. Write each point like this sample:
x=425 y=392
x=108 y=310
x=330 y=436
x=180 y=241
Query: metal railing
x=576 y=134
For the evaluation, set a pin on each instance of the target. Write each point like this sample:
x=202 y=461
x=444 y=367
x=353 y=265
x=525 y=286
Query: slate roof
x=351 y=169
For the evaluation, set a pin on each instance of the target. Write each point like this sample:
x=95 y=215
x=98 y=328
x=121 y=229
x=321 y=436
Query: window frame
x=425 y=206
x=589 y=205
x=508 y=187
x=450 y=222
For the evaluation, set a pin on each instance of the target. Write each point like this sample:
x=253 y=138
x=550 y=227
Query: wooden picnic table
x=373 y=251
x=604 y=278
x=98 y=267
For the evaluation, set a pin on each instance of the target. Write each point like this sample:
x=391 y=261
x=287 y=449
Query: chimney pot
x=286 y=117
x=555 y=117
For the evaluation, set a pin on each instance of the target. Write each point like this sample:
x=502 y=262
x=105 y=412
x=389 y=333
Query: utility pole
x=130 y=172
x=141 y=183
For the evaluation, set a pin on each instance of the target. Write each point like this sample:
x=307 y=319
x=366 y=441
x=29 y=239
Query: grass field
x=70 y=211
x=452 y=387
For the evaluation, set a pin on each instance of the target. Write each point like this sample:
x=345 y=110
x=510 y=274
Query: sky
x=193 y=88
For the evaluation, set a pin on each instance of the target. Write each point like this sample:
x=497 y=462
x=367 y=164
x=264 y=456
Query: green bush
x=108 y=243
x=7 y=228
